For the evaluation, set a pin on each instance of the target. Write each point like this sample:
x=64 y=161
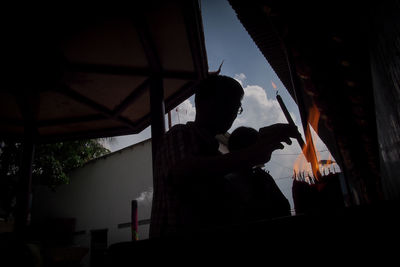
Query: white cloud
x=241 y=77
x=183 y=113
x=258 y=110
x=144 y=202
x=146 y=196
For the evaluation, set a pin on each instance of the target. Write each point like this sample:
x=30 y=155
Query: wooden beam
x=85 y=101
x=179 y=75
x=139 y=91
x=129 y=71
x=186 y=91
x=157 y=106
x=125 y=121
x=143 y=123
x=94 y=105
x=138 y=126
x=71 y=120
x=107 y=69
x=148 y=45
x=89 y=118
x=90 y=134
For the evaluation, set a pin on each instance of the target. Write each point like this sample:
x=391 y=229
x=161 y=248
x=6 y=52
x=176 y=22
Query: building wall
x=100 y=193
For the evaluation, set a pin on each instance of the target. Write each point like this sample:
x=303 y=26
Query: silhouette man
x=189 y=169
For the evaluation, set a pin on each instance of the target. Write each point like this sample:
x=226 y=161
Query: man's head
x=217 y=100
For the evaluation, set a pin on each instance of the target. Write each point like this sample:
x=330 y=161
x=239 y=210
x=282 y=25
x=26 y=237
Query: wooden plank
x=131 y=98
x=129 y=71
x=94 y=105
x=148 y=44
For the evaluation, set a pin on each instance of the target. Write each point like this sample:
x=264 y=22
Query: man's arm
x=256 y=154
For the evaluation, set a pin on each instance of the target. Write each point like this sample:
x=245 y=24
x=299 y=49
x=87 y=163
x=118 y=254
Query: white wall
x=100 y=193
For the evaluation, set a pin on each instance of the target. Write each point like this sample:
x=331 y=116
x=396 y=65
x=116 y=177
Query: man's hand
x=279 y=130
x=271 y=138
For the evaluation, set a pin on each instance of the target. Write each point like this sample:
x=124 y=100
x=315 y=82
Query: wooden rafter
x=148 y=45
x=94 y=105
x=139 y=91
x=88 y=134
x=183 y=93
x=129 y=71
x=71 y=120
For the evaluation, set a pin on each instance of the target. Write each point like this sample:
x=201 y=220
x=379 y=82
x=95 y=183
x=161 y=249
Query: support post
x=157 y=113
x=24 y=195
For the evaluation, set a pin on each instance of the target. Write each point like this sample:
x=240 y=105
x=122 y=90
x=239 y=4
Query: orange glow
x=329 y=161
x=307 y=162
x=313 y=117
x=325 y=165
x=302 y=167
x=329 y=165
x=330 y=158
x=273 y=85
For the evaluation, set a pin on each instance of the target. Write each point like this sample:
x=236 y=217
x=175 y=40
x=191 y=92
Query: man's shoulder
x=180 y=128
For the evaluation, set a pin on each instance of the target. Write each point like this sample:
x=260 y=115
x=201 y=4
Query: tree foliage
x=53 y=161
x=51 y=165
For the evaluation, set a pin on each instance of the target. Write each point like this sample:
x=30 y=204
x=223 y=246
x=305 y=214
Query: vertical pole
x=157 y=113
x=134 y=220
x=169 y=120
x=24 y=196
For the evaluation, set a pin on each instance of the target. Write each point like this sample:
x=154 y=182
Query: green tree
x=51 y=165
x=53 y=161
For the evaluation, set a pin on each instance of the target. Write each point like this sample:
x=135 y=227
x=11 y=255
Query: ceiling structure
x=86 y=73
x=77 y=72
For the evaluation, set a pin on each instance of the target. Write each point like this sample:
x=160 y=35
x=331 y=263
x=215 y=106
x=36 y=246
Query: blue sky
x=228 y=41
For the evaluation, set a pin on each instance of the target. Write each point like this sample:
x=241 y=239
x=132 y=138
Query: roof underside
x=86 y=73
x=320 y=52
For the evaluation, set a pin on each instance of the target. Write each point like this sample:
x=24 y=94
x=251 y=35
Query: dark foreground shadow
x=361 y=233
